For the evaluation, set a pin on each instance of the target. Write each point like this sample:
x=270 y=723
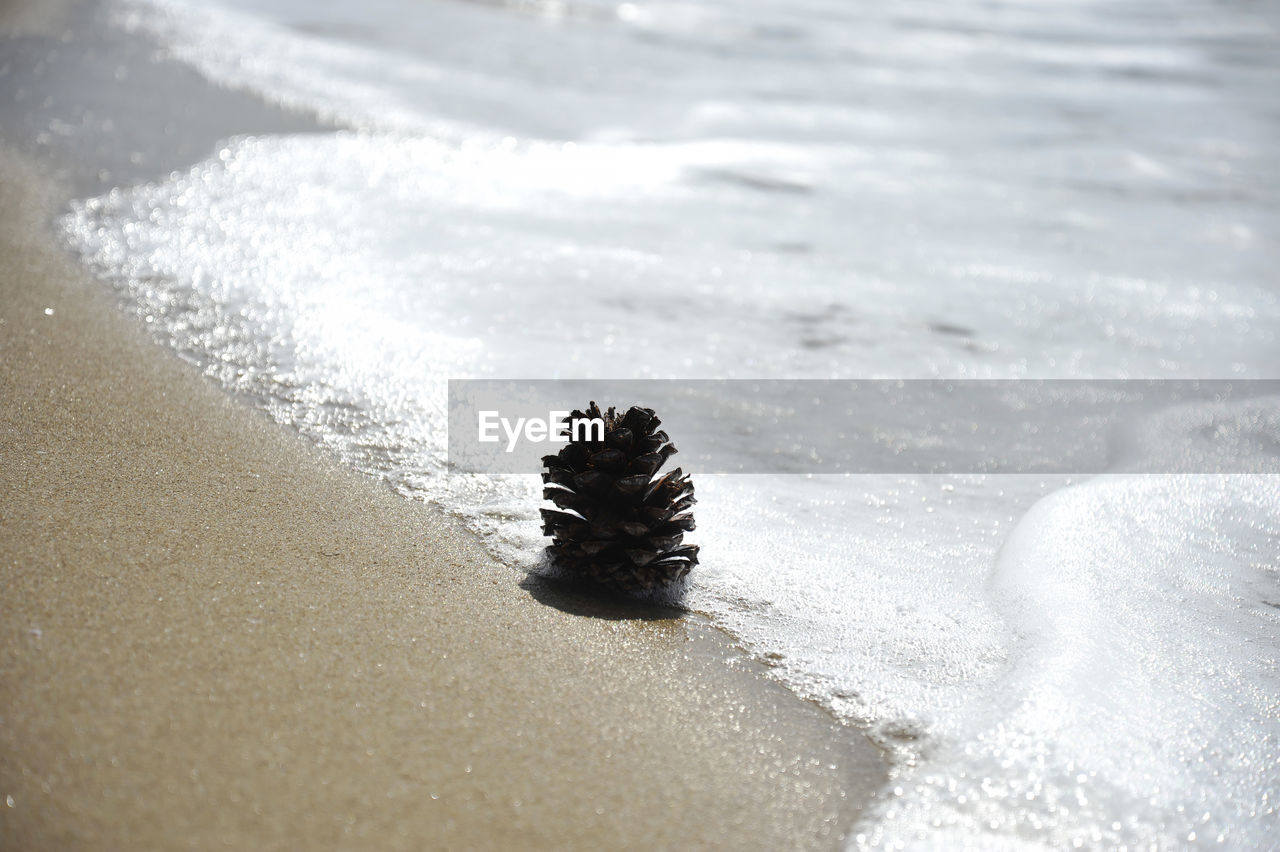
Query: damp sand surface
x=212 y=635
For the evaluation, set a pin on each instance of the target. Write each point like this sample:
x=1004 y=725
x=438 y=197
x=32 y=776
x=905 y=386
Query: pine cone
x=621 y=527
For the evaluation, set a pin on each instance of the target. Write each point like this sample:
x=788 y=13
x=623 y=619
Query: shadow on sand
x=591 y=601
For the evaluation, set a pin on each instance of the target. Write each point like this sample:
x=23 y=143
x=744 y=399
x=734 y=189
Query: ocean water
x=815 y=189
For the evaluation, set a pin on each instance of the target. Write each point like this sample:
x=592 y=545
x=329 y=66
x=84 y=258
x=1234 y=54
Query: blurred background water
x=816 y=189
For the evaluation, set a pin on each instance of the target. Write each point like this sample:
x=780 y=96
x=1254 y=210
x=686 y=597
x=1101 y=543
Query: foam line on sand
x=210 y=635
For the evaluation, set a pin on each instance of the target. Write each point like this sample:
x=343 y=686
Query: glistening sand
x=213 y=636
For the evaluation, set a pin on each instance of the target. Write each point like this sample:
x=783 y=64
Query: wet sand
x=211 y=635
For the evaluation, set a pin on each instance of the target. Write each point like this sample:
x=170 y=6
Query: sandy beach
x=962 y=316
x=215 y=637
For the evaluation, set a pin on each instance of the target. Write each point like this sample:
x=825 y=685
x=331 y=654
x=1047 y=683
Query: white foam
x=1139 y=705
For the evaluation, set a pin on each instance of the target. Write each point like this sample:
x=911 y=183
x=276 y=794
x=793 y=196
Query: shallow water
x=812 y=190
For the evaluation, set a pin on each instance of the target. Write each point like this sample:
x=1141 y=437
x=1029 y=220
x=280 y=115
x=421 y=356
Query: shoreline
x=215 y=633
